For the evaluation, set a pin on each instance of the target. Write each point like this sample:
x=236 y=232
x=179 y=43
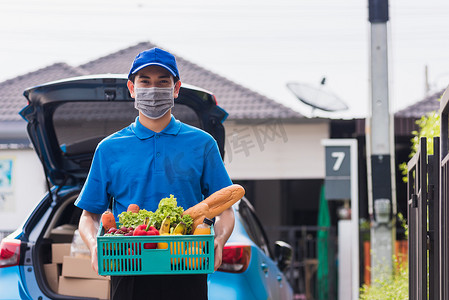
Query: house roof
x=420 y=108
x=11 y=91
x=241 y=103
x=405 y=119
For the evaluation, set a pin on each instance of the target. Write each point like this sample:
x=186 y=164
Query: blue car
x=66 y=120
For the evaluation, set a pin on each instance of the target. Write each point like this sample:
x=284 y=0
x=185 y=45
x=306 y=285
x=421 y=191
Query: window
x=79 y=126
x=253 y=227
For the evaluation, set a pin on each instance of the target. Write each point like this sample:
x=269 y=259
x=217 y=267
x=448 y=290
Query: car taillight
x=9 y=253
x=215 y=99
x=235 y=258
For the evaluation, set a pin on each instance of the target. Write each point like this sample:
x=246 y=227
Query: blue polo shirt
x=137 y=165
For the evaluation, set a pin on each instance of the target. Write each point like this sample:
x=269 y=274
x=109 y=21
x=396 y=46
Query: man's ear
x=130 y=85
x=177 y=88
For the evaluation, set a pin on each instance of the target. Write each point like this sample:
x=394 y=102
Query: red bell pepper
x=147 y=230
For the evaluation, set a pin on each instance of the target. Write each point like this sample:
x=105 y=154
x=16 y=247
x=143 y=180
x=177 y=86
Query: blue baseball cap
x=154 y=56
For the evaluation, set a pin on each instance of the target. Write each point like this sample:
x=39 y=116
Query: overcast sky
x=259 y=44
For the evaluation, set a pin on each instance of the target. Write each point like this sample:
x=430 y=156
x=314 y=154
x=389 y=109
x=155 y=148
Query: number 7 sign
x=338 y=161
x=340 y=156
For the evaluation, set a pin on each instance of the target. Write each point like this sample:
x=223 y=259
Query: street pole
x=379 y=140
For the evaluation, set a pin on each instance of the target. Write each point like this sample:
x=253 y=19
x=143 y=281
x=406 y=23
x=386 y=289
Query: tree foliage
x=429 y=127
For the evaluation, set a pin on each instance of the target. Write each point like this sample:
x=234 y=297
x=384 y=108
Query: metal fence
x=417 y=222
x=424 y=222
x=428 y=212
x=302 y=274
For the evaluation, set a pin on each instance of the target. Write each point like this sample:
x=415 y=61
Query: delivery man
x=150 y=159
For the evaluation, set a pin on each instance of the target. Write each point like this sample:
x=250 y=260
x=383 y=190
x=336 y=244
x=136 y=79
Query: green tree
x=429 y=127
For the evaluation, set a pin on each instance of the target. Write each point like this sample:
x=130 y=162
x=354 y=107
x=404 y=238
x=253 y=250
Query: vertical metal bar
x=444 y=265
x=436 y=213
x=443 y=236
x=443 y=231
x=422 y=213
x=441 y=242
x=433 y=211
x=416 y=215
x=411 y=184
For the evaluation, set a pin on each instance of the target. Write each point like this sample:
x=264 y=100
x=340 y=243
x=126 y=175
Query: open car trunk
x=66 y=120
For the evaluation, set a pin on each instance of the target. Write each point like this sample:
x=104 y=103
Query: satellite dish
x=317 y=97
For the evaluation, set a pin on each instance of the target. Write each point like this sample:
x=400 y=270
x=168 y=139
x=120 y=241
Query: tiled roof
x=11 y=91
x=420 y=108
x=240 y=102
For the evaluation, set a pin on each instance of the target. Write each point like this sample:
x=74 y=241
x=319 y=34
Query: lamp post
x=379 y=139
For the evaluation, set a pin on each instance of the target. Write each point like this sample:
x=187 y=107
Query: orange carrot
x=134 y=208
x=108 y=220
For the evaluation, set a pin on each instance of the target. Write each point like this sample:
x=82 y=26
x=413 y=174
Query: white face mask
x=154 y=102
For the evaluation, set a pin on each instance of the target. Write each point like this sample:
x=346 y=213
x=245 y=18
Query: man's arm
x=224 y=224
x=88 y=228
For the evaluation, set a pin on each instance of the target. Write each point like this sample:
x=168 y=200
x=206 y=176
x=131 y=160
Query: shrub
x=391 y=287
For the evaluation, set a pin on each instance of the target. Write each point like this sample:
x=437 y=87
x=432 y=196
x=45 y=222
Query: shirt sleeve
x=94 y=197
x=215 y=176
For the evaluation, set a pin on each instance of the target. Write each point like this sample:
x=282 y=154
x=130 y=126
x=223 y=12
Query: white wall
x=26 y=187
x=275 y=150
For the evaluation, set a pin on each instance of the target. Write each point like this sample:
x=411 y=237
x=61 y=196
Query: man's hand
x=224 y=224
x=88 y=228
x=94 y=258
x=218 y=254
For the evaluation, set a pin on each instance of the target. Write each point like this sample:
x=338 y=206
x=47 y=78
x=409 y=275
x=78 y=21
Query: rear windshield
x=79 y=126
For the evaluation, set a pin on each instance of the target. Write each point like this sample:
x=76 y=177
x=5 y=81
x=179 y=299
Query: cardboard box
x=80 y=268
x=84 y=287
x=58 y=251
x=52 y=273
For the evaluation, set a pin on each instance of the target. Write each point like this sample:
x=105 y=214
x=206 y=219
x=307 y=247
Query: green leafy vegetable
x=130 y=219
x=169 y=206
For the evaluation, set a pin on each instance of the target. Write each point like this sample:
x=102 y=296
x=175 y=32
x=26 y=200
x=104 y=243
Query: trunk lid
x=67 y=118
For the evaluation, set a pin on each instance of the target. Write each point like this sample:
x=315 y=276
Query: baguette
x=200 y=209
x=215 y=204
x=231 y=193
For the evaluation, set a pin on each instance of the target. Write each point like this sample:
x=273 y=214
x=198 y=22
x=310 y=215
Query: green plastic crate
x=126 y=255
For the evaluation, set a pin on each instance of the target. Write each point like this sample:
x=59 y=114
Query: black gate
x=423 y=205
x=428 y=212
x=417 y=222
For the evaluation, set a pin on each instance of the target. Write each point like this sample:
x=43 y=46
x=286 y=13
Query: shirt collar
x=142 y=132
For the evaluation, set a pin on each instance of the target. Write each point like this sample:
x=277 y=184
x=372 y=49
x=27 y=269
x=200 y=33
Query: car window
x=79 y=126
x=253 y=227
